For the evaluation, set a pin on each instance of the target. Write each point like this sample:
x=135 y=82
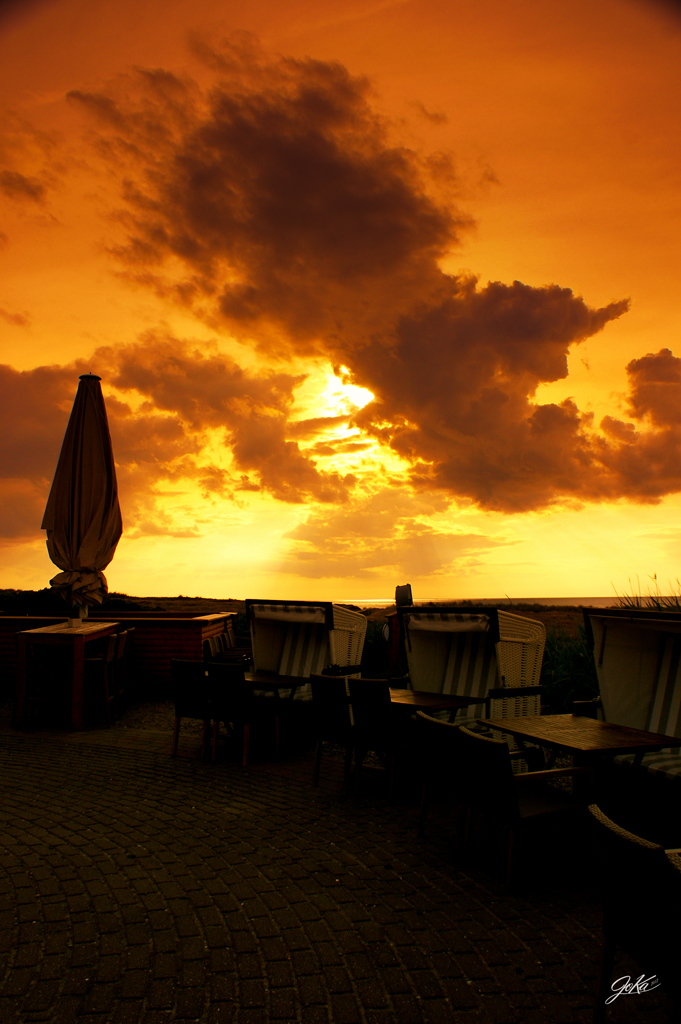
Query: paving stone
x=140 y=889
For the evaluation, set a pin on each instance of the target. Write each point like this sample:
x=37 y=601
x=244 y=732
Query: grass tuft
x=654 y=599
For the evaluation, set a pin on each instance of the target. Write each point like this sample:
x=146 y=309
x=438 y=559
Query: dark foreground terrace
x=140 y=889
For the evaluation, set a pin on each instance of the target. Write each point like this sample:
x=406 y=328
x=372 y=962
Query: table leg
x=77 y=684
x=22 y=653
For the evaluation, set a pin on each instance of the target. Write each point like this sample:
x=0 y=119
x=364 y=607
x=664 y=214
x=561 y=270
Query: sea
x=569 y=602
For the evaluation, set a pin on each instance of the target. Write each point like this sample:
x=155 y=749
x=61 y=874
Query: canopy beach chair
x=302 y=638
x=638 y=661
x=479 y=652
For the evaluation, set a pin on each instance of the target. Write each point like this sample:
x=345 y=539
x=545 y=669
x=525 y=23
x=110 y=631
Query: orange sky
x=378 y=292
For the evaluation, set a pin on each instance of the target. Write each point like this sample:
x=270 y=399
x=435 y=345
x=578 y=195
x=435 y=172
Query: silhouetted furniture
x=486 y=783
x=121 y=672
x=222 y=648
x=378 y=725
x=99 y=678
x=302 y=638
x=474 y=651
x=192 y=694
x=641 y=887
x=235 y=704
x=440 y=759
x=424 y=700
x=73 y=637
x=580 y=735
x=638 y=661
x=332 y=719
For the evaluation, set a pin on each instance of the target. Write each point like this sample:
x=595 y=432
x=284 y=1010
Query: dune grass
x=568 y=670
x=654 y=599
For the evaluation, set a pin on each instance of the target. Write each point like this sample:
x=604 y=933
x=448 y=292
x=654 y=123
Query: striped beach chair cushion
x=305 y=650
x=454 y=654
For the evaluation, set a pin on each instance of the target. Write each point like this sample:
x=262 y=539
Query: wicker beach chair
x=638 y=661
x=482 y=652
x=302 y=638
x=641 y=889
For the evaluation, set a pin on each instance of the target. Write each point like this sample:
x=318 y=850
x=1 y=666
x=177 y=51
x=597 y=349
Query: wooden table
x=63 y=634
x=583 y=737
x=273 y=681
x=424 y=700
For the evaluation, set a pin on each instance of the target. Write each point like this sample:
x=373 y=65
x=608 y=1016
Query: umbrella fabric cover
x=82 y=516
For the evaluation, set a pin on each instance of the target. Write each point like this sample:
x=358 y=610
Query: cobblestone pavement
x=135 y=887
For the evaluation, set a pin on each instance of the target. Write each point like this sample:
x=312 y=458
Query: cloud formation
x=181 y=400
x=281 y=207
x=384 y=532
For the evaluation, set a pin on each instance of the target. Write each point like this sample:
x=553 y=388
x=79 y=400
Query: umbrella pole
x=77 y=612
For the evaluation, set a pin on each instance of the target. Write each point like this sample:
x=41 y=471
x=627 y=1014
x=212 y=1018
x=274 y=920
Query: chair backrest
x=121 y=645
x=371 y=705
x=486 y=779
x=519 y=649
x=231 y=697
x=110 y=647
x=331 y=707
x=641 y=889
x=439 y=749
x=211 y=648
x=191 y=690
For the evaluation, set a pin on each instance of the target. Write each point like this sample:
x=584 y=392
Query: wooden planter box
x=157 y=639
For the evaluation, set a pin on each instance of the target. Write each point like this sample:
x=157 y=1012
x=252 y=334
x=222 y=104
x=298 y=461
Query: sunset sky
x=379 y=292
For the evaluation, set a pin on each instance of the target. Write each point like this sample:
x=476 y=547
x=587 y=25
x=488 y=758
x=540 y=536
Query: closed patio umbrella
x=82 y=516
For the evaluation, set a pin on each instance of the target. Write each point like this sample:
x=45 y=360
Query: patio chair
x=99 y=681
x=641 y=889
x=219 y=648
x=440 y=760
x=234 y=703
x=301 y=638
x=378 y=726
x=121 y=671
x=192 y=697
x=332 y=719
x=485 y=783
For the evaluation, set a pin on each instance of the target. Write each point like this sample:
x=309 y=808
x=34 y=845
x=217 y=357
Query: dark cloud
x=206 y=389
x=19 y=186
x=454 y=394
x=16 y=319
x=282 y=207
x=281 y=194
x=178 y=396
x=656 y=388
